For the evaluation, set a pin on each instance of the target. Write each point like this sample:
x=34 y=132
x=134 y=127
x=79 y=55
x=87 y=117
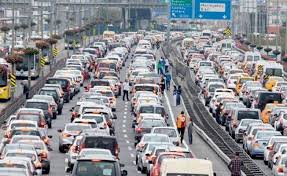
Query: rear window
x=247 y=115
x=101 y=142
x=100 y=83
x=99 y=168
x=152 y=123
x=212 y=88
x=268 y=97
x=29 y=132
x=169 y=132
x=32 y=117
x=145 y=88
x=62 y=82
x=37 y=105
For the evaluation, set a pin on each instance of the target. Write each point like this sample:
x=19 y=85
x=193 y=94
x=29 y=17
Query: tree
x=5 y=30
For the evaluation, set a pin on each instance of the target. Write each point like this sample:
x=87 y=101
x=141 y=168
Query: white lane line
x=126 y=102
x=126 y=105
x=125 y=117
x=139 y=172
x=124 y=121
x=172 y=115
x=125 y=112
x=127 y=141
x=126 y=136
x=134 y=162
x=126 y=109
x=124 y=131
x=132 y=155
x=130 y=148
x=124 y=125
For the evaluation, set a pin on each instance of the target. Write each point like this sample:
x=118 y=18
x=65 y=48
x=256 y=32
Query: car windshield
x=99 y=119
x=14 y=125
x=100 y=83
x=247 y=115
x=265 y=134
x=155 y=138
x=147 y=109
x=273 y=72
x=234 y=105
x=37 y=105
x=52 y=93
x=212 y=88
x=12 y=165
x=32 y=117
x=62 y=82
x=152 y=123
x=77 y=127
x=22 y=154
x=96 y=167
x=169 y=132
x=247 y=122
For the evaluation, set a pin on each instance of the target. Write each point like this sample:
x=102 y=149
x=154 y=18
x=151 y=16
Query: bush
x=31 y=51
x=15 y=58
x=42 y=44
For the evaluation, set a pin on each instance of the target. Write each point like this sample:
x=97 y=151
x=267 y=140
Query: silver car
x=68 y=134
x=170 y=131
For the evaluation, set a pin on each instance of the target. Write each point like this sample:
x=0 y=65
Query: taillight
x=138 y=130
x=50 y=110
x=74 y=114
x=38 y=165
x=74 y=149
x=105 y=125
x=69 y=88
x=117 y=150
x=65 y=135
x=280 y=169
x=44 y=155
x=81 y=147
x=42 y=124
x=156 y=171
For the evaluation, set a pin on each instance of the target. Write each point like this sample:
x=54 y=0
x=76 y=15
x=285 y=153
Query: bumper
x=239 y=136
x=66 y=142
x=45 y=166
x=257 y=152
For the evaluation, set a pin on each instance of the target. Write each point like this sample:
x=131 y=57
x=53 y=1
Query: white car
x=170 y=131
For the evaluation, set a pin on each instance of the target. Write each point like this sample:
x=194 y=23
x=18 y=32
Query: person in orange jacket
x=181 y=124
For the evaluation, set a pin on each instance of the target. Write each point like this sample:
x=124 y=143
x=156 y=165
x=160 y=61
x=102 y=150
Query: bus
x=109 y=35
x=5 y=86
x=22 y=69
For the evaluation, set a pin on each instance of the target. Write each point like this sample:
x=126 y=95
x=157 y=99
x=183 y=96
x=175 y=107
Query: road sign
x=12 y=79
x=213 y=9
x=55 y=52
x=227 y=31
x=42 y=62
x=180 y=9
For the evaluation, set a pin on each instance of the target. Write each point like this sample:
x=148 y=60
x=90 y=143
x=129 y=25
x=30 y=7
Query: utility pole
x=13 y=29
x=41 y=25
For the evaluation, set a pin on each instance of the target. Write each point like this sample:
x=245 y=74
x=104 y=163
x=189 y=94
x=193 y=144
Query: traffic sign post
x=212 y=9
x=181 y=9
x=55 y=52
x=227 y=32
x=13 y=80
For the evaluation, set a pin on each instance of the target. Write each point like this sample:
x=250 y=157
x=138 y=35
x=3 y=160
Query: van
x=186 y=166
x=252 y=57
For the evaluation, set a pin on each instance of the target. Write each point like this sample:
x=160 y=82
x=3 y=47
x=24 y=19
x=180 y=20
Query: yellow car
x=272 y=81
x=241 y=80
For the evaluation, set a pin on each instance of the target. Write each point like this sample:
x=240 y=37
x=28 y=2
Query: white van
x=186 y=166
x=252 y=57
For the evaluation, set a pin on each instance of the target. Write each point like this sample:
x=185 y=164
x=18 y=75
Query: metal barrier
x=203 y=119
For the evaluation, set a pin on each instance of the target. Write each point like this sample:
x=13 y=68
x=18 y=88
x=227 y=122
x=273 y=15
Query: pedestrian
x=162 y=84
x=235 y=165
x=181 y=124
x=167 y=79
x=158 y=66
x=178 y=94
x=189 y=131
x=217 y=113
x=166 y=65
x=174 y=94
x=126 y=89
x=25 y=89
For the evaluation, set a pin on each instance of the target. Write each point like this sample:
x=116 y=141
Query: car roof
x=98 y=157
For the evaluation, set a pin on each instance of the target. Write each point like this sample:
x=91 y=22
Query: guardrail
x=202 y=118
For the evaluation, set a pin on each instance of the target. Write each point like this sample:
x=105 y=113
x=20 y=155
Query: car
x=260 y=141
x=68 y=134
x=65 y=84
x=56 y=94
x=100 y=141
x=15 y=166
x=239 y=131
x=53 y=104
x=152 y=137
x=170 y=131
x=100 y=119
x=100 y=165
x=43 y=105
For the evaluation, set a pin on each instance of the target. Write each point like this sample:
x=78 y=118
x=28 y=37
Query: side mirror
x=60 y=130
x=124 y=173
x=115 y=116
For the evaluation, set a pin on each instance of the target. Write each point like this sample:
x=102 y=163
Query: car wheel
x=61 y=149
x=50 y=125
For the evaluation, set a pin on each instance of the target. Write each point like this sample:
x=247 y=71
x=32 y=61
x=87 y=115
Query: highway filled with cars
x=79 y=124
x=243 y=92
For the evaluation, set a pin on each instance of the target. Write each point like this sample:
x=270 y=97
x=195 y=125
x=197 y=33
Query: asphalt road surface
x=125 y=137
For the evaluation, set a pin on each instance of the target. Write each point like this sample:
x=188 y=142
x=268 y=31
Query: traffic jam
x=86 y=99
x=245 y=94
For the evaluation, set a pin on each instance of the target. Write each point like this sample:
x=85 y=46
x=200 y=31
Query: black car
x=65 y=84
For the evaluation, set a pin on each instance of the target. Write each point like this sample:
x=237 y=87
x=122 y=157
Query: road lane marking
x=125 y=112
x=124 y=125
x=124 y=121
x=172 y=115
x=126 y=102
x=126 y=109
x=130 y=148
x=134 y=162
x=127 y=141
x=132 y=155
x=126 y=105
x=124 y=131
x=126 y=136
x=125 y=117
